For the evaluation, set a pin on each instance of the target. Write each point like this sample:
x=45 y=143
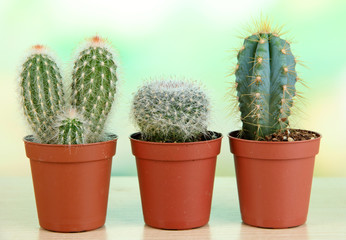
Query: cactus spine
x=265 y=82
x=93 y=86
x=42 y=93
x=71 y=129
x=171 y=111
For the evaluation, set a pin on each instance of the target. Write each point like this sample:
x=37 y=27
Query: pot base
x=274 y=224
x=176 y=225
x=72 y=229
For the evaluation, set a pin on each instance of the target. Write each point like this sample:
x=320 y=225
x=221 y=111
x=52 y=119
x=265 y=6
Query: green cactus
x=265 y=83
x=42 y=93
x=71 y=129
x=171 y=111
x=93 y=90
x=93 y=86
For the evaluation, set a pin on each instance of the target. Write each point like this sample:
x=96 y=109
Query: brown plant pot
x=176 y=181
x=274 y=180
x=71 y=184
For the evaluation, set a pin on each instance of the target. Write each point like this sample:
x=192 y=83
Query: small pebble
x=312 y=138
x=290 y=139
x=275 y=139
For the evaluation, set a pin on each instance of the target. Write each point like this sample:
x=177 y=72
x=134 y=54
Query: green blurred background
x=191 y=38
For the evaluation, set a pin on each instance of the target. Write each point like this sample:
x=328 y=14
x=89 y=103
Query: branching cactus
x=93 y=86
x=70 y=128
x=42 y=93
x=171 y=111
x=93 y=89
x=265 y=82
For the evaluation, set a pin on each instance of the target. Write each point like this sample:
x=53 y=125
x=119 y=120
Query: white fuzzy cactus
x=171 y=111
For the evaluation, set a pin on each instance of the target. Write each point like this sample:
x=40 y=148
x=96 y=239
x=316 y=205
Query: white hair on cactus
x=171 y=110
x=94 y=84
x=39 y=101
x=75 y=135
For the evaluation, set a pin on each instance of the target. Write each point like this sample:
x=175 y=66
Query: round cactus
x=171 y=111
x=265 y=82
x=42 y=93
x=93 y=86
x=71 y=128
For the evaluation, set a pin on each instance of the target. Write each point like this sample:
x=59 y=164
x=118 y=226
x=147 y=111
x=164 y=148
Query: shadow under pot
x=274 y=180
x=71 y=183
x=176 y=181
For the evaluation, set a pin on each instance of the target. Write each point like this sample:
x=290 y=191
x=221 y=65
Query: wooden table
x=327 y=215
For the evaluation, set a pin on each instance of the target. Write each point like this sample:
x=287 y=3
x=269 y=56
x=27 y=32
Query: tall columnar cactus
x=265 y=82
x=70 y=128
x=171 y=111
x=42 y=93
x=93 y=86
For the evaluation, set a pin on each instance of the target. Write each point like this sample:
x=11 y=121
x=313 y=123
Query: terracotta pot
x=274 y=180
x=176 y=181
x=71 y=184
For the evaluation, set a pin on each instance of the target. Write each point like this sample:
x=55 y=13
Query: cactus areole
x=265 y=83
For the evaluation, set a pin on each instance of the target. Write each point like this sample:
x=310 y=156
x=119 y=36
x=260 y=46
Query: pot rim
x=27 y=141
x=270 y=142
x=174 y=144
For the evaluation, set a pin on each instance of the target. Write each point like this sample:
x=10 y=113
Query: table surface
x=326 y=220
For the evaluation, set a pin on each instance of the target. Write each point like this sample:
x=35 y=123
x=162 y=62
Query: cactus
x=42 y=93
x=93 y=90
x=71 y=128
x=171 y=111
x=93 y=86
x=265 y=82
